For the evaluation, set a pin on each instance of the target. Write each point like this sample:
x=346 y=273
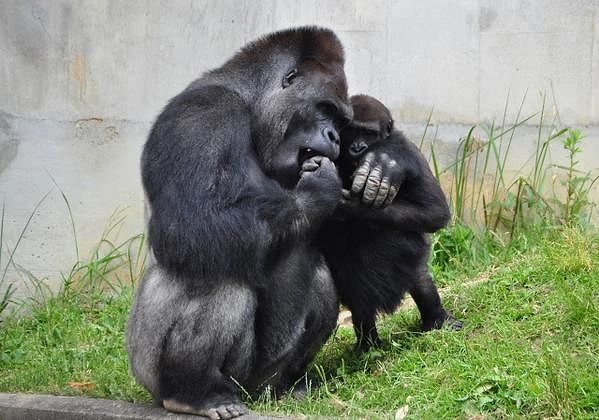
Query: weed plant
x=576 y=207
x=484 y=197
x=494 y=211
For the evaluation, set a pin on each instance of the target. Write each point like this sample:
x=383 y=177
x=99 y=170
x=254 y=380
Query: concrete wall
x=81 y=82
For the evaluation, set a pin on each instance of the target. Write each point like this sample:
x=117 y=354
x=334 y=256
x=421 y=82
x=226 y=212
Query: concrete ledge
x=50 y=407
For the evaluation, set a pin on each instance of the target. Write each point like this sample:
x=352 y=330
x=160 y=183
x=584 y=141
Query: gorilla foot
x=453 y=323
x=447 y=320
x=221 y=411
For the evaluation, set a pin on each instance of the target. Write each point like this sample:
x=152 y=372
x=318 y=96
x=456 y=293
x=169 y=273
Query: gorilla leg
x=365 y=329
x=190 y=349
x=427 y=298
x=207 y=351
x=320 y=321
x=305 y=318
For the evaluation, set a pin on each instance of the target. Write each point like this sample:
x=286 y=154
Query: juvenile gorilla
x=238 y=176
x=377 y=245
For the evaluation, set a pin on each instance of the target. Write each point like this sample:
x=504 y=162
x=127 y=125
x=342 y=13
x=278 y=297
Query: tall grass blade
x=71 y=217
x=427 y=125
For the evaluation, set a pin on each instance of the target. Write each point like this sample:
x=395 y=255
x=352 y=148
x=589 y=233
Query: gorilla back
x=238 y=176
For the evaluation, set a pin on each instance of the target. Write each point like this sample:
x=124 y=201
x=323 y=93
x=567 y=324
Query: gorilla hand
x=377 y=179
x=319 y=187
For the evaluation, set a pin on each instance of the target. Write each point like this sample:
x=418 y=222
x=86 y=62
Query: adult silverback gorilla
x=238 y=175
x=377 y=245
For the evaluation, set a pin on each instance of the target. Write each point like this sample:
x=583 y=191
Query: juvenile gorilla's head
x=297 y=93
x=372 y=124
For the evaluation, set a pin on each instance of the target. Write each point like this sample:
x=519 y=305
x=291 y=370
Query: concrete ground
x=50 y=407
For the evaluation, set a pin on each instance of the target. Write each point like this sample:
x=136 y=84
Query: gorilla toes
x=453 y=323
x=447 y=320
x=220 y=412
x=227 y=411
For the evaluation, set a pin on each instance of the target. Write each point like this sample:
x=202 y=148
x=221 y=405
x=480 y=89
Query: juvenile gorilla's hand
x=377 y=180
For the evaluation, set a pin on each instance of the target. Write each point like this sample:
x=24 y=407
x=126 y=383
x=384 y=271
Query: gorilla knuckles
x=237 y=174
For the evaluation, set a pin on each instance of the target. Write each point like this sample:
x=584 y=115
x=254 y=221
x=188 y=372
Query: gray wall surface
x=81 y=82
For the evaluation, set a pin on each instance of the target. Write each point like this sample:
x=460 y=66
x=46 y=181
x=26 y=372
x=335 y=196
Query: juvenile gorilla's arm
x=395 y=185
x=218 y=181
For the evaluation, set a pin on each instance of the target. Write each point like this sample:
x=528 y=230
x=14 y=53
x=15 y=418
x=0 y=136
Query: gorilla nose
x=357 y=149
x=332 y=135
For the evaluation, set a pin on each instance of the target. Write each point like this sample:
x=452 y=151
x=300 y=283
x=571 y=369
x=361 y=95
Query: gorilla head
x=372 y=124
x=297 y=91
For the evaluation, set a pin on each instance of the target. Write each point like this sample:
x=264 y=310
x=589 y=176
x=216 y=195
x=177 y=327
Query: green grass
x=530 y=346
x=70 y=346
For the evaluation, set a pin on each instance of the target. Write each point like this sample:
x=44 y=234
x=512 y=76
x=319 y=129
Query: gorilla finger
x=319 y=159
x=324 y=161
x=346 y=194
x=362 y=172
x=391 y=195
x=382 y=194
x=360 y=178
x=390 y=168
x=369 y=158
x=310 y=165
x=372 y=185
x=211 y=413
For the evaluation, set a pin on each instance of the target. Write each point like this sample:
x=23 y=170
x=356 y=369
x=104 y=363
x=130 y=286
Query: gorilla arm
x=397 y=187
x=204 y=168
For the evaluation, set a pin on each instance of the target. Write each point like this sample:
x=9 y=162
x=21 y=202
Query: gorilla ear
x=389 y=128
x=289 y=77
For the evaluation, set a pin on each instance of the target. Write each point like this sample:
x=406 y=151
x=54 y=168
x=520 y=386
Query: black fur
x=238 y=176
x=376 y=255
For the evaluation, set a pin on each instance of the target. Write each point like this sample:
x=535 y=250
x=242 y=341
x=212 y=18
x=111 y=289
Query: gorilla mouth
x=305 y=154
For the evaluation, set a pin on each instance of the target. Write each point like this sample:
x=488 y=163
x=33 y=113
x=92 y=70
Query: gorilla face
x=306 y=110
x=372 y=124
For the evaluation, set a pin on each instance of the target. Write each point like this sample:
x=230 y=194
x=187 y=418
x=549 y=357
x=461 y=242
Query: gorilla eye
x=289 y=77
